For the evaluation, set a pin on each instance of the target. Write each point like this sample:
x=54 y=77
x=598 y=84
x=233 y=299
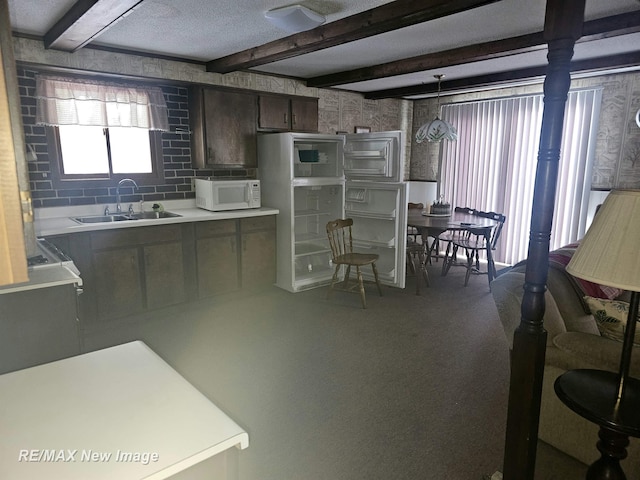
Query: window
x=98 y=154
x=492 y=165
x=101 y=132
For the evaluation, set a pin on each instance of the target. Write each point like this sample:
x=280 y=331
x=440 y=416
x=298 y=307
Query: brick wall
x=176 y=152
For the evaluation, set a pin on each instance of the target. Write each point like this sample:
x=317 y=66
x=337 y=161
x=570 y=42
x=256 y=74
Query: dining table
x=434 y=224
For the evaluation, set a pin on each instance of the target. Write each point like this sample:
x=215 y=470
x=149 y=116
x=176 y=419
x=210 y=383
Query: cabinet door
x=304 y=114
x=38 y=326
x=281 y=112
x=164 y=274
x=258 y=254
x=230 y=128
x=258 y=259
x=217 y=265
x=118 y=289
x=274 y=112
x=217 y=257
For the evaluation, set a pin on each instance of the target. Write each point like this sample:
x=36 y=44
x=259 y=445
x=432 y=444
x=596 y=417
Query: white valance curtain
x=492 y=166
x=66 y=101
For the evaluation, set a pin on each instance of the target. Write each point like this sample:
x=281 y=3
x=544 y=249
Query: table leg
x=613 y=447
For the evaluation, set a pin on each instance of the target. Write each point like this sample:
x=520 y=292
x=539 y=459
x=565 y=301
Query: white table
x=100 y=404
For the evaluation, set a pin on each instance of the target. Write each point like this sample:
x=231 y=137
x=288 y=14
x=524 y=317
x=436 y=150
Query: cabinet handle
x=293 y=118
x=286 y=118
x=209 y=153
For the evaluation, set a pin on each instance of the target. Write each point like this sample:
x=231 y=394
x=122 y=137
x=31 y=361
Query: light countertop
x=118 y=413
x=54 y=276
x=57 y=221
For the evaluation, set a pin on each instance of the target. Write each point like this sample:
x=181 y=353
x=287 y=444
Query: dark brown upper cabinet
x=287 y=113
x=223 y=126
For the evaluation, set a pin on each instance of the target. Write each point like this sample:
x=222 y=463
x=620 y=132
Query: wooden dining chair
x=475 y=241
x=341 y=242
x=412 y=232
x=448 y=237
x=417 y=261
x=417 y=250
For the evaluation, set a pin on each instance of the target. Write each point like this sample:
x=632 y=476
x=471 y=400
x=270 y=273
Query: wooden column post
x=563 y=26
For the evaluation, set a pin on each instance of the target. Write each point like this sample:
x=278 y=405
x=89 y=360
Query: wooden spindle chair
x=341 y=242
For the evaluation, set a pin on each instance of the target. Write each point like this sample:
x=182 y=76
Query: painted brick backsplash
x=176 y=151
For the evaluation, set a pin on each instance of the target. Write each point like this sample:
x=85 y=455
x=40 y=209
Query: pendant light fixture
x=437 y=129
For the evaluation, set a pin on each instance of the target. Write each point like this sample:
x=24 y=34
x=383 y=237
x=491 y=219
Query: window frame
x=67 y=181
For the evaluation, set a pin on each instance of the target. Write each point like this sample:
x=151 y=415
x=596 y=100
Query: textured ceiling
x=204 y=30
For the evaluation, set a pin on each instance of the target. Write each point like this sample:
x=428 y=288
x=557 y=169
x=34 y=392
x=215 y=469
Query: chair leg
x=449 y=259
x=446 y=260
x=433 y=250
x=469 y=266
x=415 y=271
x=334 y=279
x=361 y=284
x=422 y=271
x=375 y=275
x=412 y=267
x=345 y=283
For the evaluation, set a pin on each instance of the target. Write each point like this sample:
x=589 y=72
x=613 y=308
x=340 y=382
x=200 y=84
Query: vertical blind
x=65 y=101
x=493 y=164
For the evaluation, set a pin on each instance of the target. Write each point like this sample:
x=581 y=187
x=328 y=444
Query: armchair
x=573 y=341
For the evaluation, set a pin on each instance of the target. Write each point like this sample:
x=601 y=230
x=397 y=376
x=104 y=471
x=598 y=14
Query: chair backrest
x=411 y=206
x=339 y=234
x=495 y=233
x=467 y=210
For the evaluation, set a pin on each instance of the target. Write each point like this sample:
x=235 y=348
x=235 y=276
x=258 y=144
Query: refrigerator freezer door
x=301 y=155
x=379 y=213
x=316 y=155
x=377 y=157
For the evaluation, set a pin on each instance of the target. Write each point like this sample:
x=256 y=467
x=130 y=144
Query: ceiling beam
x=85 y=20
x=593 y=30
x=502 y=78
x=385 y=18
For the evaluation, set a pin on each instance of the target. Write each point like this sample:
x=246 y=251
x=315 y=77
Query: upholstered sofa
x=574 y=341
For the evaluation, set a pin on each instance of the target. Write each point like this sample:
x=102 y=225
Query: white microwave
x=218 y=195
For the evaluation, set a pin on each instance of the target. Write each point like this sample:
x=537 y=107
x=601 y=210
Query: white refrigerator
x=315 y=178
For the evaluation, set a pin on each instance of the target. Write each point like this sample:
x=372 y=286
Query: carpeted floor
x=414 y=387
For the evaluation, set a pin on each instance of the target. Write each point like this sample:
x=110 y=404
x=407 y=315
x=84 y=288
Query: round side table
x=593 y=394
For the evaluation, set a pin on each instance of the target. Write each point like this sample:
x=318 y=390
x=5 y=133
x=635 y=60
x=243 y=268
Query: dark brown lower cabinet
x=258 y=254
x=164 y=274
x=131 y=270
x=217 y=257
x=118 y=284
x=38 y=326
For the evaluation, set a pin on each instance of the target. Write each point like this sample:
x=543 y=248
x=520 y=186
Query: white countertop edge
x=57 y=221
x=241 y=441
x=49 y=276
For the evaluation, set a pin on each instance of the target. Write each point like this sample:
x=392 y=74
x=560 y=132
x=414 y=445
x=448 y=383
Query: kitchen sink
x=101 y=218
x=152 y=215
x=124 y=217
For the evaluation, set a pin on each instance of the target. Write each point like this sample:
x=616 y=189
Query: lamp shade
x=609 y=253
x=435 y=131
x=294 y=18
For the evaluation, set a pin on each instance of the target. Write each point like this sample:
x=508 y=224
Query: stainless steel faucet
x=120 y=183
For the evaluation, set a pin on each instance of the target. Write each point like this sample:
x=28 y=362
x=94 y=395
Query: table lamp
x=609 y=254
